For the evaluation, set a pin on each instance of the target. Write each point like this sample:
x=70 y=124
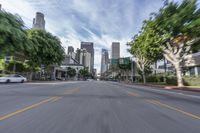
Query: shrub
x=172 y=80
x=189 y=81
x=155 y=78
x=192 y=81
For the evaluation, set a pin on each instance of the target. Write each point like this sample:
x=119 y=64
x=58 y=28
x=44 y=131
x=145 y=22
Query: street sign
x=114 y=61
x=124 y=60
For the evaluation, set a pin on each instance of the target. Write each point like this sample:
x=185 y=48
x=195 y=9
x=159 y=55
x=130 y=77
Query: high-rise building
x=84 y=58
x=38 y=21
x=95 y=73
x=70 y=49
x=89 y=46
x=115 y=50
x=104 y=60
x=71 y=53
x=87 y=60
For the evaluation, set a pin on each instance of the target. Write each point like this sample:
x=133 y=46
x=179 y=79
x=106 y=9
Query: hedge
x=192 y=81
x=154 y=78
x=172 y=80
x=189 y=81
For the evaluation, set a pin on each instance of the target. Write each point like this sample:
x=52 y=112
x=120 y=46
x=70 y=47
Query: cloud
x=25 y=10
x=99 y=21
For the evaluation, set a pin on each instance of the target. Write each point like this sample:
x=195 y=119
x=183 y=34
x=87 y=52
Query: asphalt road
x=96 y=107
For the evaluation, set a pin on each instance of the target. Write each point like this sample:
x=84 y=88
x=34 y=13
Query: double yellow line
x=132 y=94
x=158 y=103
x=26 y=108
x=71 y=91
x=173 y=108
x=52 y=99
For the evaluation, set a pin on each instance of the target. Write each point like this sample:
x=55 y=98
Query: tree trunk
x=14 y=67
x=31 y=76
x=31 y=73
x=143 y=76
x=179 y=75
x=155 y=68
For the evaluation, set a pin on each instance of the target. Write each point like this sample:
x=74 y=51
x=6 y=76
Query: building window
x=198 y=69
x=192 y=71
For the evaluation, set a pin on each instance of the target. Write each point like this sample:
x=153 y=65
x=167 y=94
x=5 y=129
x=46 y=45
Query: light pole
x=132 y=69
x=77 y=73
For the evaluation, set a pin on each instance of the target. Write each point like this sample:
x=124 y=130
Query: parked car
x=15 y=78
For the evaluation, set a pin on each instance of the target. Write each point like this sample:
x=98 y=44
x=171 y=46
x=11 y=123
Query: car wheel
x=7 y=81
x=22 y=81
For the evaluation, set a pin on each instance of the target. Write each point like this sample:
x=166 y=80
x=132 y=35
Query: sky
x=98 y=21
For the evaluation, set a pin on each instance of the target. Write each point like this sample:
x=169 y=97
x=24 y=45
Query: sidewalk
x=167 y=87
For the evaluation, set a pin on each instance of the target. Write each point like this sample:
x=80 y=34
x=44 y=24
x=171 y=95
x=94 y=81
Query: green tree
x=145 y=50
x=45 y=48
x=71 y=72
x=16 y=66
x=12 y=33
x=177 y=29
x=114 y=69
x=147 y=71
x=84 y=72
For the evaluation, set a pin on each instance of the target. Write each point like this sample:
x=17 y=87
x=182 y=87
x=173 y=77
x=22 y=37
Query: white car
x=15 y=78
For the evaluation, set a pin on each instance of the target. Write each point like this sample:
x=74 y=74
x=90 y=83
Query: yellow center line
x=53 y=99
x=174 y=108
x=132 y=94
x=56 y=99
x=71 y=91
x=26 y=109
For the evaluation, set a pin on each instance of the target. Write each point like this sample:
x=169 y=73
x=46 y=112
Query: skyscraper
x=84 y=58
x=70 y=52
x=104 y=60
x=115 y=50
x=89 y=46
x=70 y=49
x=38 y=21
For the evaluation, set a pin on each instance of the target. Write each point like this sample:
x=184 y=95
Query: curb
x=182 y=88
x=166 y=87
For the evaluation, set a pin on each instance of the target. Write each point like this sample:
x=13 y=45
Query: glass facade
x=198 y=69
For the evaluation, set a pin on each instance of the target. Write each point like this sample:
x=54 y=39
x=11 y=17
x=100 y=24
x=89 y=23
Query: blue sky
x=99 y=21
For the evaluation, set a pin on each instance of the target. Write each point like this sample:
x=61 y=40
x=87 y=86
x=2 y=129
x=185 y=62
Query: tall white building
x=38 y=21
x=89 y=46
x=87 y=61
x=84 y=58
x=115 y=50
